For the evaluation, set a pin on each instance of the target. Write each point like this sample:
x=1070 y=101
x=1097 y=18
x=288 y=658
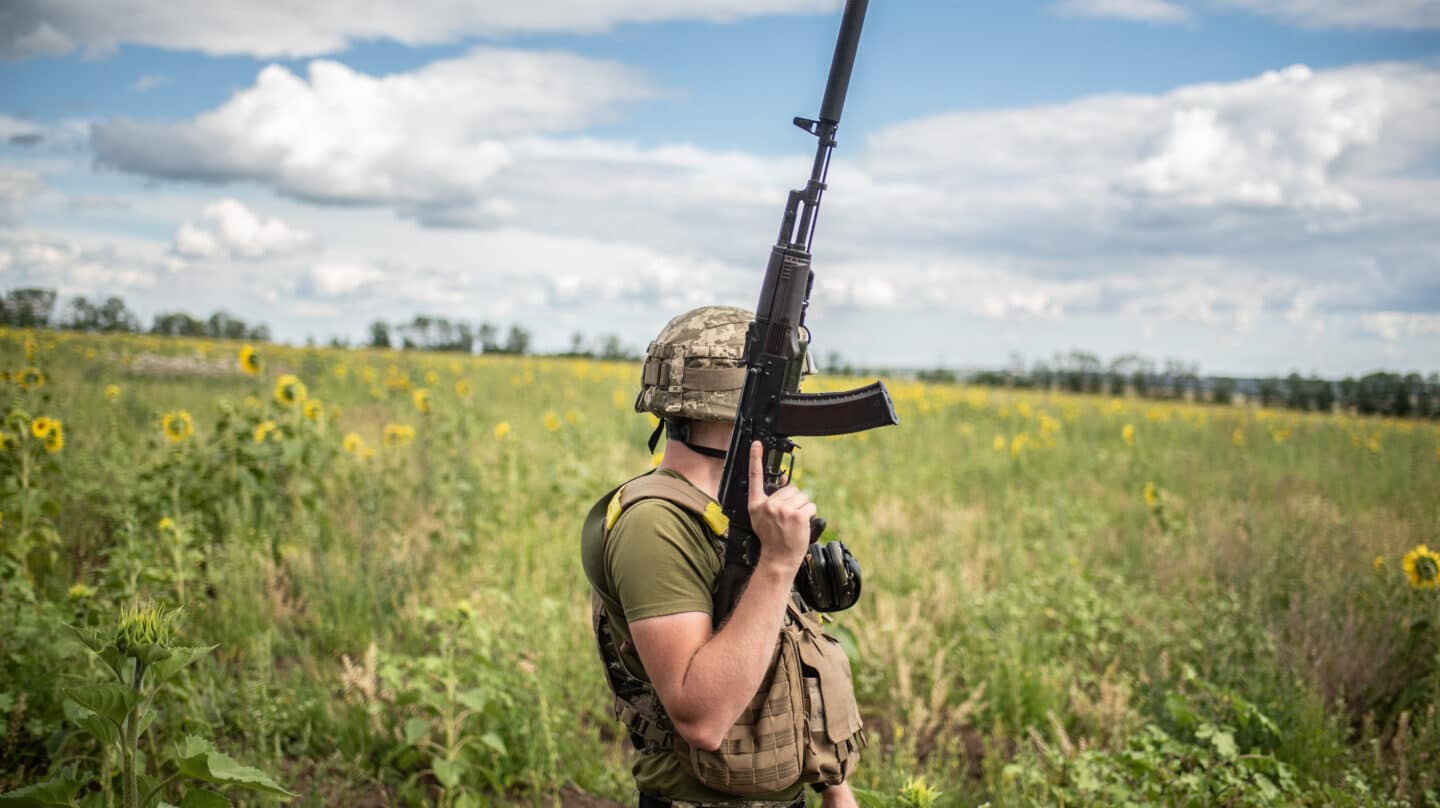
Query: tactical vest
x=801 y=726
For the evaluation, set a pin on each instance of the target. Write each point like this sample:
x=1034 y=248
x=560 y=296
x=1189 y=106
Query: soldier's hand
x=781 y=520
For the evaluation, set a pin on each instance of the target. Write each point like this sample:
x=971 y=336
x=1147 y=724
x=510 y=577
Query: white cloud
x=281 y=28
x=1277 y=157
x=1151 y=11
x=149 y=82
x=331 y=279
x=1397 y=14
x=17 y=188
x=74 y=268
x=431 y=137
x=229 y=229
x=1394 y=325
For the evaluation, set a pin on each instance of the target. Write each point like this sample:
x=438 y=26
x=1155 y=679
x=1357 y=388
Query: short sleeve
x=660 y=562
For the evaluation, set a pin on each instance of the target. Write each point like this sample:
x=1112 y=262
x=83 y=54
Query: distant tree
x=177 y=324
x=1223 y=392
x=379 y=334
x=487 y=338
x=517 y=341
x=27 y=308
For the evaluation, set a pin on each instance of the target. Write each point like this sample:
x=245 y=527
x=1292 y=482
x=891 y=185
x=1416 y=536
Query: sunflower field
x=374 y=557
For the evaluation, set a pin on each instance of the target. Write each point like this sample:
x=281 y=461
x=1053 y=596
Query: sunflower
x=41 y=427
x=177 y=425
x=289 y=390
x=501 y=430
x=249 y=360
x=432 y=378
x=552 y=421
x=572 y=417
x=1127 y=434
x=421 y=397
x=314 y=409
x=165 y=523
x=265 y=429
x=30 y=378
x=55 y=441
x=1152 y=496
x=1422 y=567
x=397 y=435
x=353 y=444
x=462 y=388
x=112 y=392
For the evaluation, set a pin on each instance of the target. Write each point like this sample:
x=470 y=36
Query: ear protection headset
x=829 y=577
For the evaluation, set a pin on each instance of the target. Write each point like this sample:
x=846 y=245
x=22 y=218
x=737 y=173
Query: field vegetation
x=1068 y=599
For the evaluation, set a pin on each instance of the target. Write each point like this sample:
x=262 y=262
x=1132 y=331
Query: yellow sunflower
x=112 y=392
x=249 y=360
x=432 y=378
x=1422 y=567
x=314 y=409
x=55 y=441
x=289 y=390
x=41 y=427
x=1152 y=496
x=397 y=435
x=265 y=429
x=30 y=379
x=166 y=523
x=177 y=426
x=354 y=444
x=501 y=430
x=462 y=388
x=1127 y=434
x=552 y=421
x=421 y=397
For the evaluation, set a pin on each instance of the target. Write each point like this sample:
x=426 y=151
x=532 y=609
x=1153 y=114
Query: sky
x=1249 y=185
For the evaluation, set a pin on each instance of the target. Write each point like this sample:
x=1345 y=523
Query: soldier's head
x=694 y=370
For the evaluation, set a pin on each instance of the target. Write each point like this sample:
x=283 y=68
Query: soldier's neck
x=702 y=472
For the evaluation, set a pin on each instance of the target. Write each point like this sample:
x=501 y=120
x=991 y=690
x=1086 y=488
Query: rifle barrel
x=843 y=61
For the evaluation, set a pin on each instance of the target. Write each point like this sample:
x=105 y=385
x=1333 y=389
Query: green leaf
x=111 y=700
x=57 y=791
x=103 y=730
x=178 y=659
x=493 y=741
x=200 y=798
x=93 y=638
x=448 y=772
x=1224 y=744
x=415 y=730
x=476 y=699
x=197 y=758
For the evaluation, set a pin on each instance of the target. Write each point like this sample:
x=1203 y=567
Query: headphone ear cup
x=835 y=573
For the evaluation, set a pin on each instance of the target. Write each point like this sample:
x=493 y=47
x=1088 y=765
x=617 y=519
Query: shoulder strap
x=676 y=492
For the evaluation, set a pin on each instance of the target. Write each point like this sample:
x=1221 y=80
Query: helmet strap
x=679 y=429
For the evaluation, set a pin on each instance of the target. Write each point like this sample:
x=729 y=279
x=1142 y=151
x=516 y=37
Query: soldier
x=747 y=714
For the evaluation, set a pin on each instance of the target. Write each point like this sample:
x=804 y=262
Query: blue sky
x=1248 y=185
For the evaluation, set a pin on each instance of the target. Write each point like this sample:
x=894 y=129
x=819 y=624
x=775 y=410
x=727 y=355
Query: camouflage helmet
x=694 y=369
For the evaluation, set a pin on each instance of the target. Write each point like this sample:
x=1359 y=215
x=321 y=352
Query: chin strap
x=680 y=431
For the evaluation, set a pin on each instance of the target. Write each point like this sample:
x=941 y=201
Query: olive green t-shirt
x=661 y=560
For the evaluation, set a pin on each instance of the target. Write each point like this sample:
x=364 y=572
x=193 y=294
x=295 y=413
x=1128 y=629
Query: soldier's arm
x=704 y=678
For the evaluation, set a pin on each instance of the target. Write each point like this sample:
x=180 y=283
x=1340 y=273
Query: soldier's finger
x=757 y=474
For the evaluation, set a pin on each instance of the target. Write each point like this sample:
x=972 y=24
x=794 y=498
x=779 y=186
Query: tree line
x=37 y=308
x=1380 y=393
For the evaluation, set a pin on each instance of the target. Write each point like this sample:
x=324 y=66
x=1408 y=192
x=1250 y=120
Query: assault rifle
x=772 y=408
